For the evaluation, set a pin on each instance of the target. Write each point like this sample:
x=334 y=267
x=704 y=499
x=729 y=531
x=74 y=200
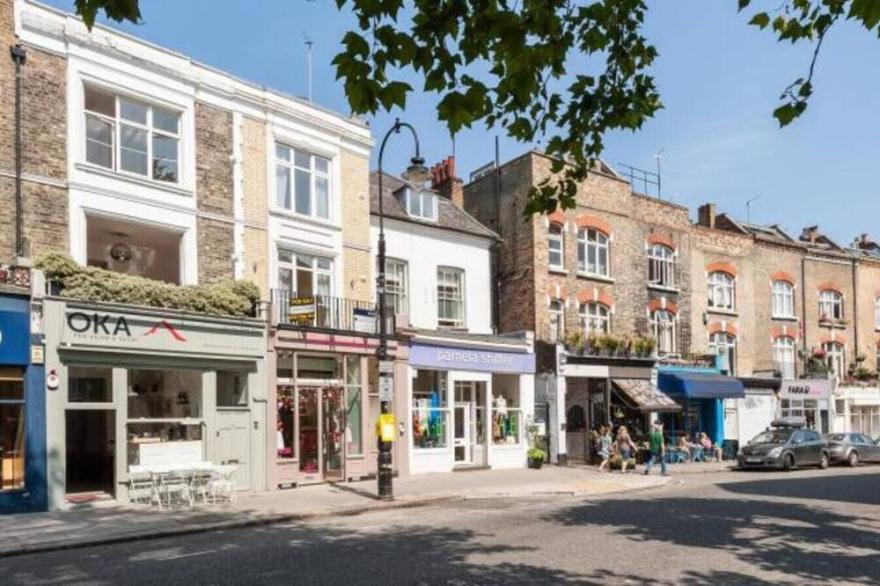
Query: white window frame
x=591 y=240
x=424 y=196
x=835 y=357
x=595 y=318
x=316 y=270
x=663 y=327
x=784 y=356
x=782 y=300
x=556 y=313
x=314 y=175
x=397 y=285
x=457 y=276
x=830 y=305
x=556 y=245
x=722 y=291
x=661 y=262
x=116 y=123
x=722 y=342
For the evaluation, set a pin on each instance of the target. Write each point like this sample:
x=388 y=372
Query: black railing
x=327 y=312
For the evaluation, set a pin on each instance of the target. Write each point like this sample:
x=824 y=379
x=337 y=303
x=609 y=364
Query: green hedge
x=236 y=298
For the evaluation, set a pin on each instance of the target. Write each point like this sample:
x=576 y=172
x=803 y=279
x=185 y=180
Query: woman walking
x=605 y=442
x=625 y=447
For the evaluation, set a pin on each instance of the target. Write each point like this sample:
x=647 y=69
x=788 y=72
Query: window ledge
x=784 y=317
x=557 y=270
x=834 y=325
x=663 y=288
x=730 y=312
x=276 y=211
x=161 y=185
x=595 y=277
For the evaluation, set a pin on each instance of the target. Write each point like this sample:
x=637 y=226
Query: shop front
x=467 y=400
x=701 y=393
x=807 y=398
x=137 y=386
x=857 y=410
x=22 y=411
x=747 y=417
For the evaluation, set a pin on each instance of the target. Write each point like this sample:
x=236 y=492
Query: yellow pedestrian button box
x=386 y=429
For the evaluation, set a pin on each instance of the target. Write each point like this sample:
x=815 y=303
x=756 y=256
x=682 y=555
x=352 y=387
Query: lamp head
x=417 y=172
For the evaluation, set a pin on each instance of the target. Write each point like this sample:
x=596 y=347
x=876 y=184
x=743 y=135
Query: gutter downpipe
x=855 y=283
x=19 y=55
x=804 y=310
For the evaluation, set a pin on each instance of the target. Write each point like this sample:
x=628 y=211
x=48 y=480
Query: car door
x=800 y=447
x=868 y=448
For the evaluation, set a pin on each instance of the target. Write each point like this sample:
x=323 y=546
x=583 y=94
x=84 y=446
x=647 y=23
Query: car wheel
x=823 y=461
x=787 y=462
x=853 y=459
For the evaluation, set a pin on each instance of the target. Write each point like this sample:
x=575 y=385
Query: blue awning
x=694 y=385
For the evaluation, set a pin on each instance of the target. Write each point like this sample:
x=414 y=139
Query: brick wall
x=869 y=290
x=256 y=235
x=44 y=151
x=357 y=276
x=214 y=192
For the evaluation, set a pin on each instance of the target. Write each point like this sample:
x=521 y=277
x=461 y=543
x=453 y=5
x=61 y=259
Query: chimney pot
x=706 y=215
x=446 y=183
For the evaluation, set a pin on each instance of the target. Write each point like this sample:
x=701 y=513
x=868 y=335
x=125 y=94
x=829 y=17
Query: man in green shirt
x=658 y=449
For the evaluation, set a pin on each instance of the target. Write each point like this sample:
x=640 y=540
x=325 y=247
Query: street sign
x=386 y=367
x=386 y=388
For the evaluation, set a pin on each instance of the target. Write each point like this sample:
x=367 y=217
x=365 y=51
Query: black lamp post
x=416 y=173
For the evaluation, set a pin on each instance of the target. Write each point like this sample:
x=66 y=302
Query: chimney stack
x=810 y=234
x=446 y=183
x=706 y=215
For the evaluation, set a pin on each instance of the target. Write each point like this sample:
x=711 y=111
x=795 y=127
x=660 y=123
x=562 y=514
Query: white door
x=461 y=441
x=233 y=444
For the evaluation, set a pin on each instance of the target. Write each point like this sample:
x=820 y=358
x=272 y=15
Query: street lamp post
x=416 y=172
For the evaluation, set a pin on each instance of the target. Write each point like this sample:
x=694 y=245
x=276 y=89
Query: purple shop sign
x=443 y=357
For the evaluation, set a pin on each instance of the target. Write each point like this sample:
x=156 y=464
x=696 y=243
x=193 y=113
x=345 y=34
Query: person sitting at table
x=684 y=446
x=706 y=444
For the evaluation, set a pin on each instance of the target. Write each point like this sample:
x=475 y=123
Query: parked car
x=852 y=448
x=785 y=445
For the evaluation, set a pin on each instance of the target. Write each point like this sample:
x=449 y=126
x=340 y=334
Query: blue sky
x=719 y=80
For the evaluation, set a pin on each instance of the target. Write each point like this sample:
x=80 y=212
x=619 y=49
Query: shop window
x=89 y=385
x=575 y=419
x=12 y=427
x=232 y=388
x=507 y=420
x=286 y=405
x=430 y=411
x=164 y=443
x=353 y=406
x=164 y=394
x=284 y=365
x=317 y=367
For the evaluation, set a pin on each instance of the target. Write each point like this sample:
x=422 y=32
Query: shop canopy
x=693 y=385
x=644 y=396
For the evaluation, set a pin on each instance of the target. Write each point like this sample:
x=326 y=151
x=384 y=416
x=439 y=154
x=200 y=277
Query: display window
x=89 y=385
x=164 y=394
x=430 y=410
x=507 y=420
x=12 y=429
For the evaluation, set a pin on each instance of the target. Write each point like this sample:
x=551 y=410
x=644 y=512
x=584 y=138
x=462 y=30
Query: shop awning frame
x=697 y=385
x=642 y=395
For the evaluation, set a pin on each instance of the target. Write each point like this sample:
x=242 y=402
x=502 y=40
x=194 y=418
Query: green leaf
x=743 y=4
x=761 y=20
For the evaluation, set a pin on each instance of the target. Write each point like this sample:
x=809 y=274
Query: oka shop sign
x=805 y=389
x=446 y=358
x=159 y=333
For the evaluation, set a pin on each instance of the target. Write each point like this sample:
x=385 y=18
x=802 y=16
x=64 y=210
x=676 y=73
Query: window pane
x=304 y=283
x=285 y=279
x=101 y=102
x=322 y=165
x=164 y=394
x=145 y=442
x=12 y=449
x=286 y=416
x=353 y=421
x=317 y=367
x=89 y=385
x=427 y=204
x=134 y=111
x=164 y=158
x=232 y=388
x=165 y=120
x=323 y=263
x=415 y=203
x=282 y=152
x=99 y=142
x=133 y=155
x=303 y=192
x=282 y=186
x=322 y=198
x=301 y=159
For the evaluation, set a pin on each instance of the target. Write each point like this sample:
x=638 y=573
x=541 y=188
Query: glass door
x=309 y=434
x=462 y=427
x=333 y=435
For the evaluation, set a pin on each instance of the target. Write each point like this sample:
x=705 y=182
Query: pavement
x=111 y=523
x=756 y=528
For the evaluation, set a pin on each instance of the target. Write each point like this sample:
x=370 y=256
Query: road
x=805 y=527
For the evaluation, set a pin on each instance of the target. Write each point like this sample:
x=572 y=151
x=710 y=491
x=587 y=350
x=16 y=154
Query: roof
x=450 y=216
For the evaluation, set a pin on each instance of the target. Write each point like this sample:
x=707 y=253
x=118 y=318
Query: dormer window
x=421 y=204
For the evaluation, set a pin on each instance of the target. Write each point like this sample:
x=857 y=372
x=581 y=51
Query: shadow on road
x=860 y=489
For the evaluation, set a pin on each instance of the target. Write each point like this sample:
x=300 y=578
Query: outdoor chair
x=176 y=488
x=222 y=484
x=142 y=487
x=200 y=485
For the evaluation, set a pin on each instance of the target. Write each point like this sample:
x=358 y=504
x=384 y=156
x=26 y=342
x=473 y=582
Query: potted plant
x=536 y=457
x=574 y=341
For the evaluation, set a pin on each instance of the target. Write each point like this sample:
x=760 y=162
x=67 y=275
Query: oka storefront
x=466 y=401
x=154 y=388
x=22 y=408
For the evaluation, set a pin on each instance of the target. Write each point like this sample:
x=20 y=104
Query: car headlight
x=774 y=453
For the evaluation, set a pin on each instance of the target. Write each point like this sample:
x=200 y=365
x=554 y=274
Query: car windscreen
x=773 y=436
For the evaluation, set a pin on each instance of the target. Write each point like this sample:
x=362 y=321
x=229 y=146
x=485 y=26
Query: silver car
x=852 y=448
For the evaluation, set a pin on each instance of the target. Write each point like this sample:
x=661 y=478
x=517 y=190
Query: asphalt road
x=805 y=527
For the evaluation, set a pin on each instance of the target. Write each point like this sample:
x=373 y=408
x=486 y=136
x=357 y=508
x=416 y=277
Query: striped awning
x=644 y=396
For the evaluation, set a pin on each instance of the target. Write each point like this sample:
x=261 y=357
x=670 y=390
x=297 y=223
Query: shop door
x=233 y=444
x=333 y=436
x=91 y=446
x=462 y=438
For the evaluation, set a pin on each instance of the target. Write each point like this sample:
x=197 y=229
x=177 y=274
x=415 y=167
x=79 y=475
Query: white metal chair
x=223 y=483
x=176 y=487
x=142 y=487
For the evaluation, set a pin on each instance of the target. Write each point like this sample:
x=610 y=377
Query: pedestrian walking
x=658 y=449
x=625 y=447
x=605 y=442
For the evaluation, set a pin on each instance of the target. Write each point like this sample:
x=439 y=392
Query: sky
x=719 y=80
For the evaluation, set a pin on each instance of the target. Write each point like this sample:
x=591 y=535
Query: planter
x=536 y=463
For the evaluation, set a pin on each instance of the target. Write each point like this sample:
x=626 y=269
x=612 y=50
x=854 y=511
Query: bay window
x=661 y=266
x=783 y=299
x=595 y=318
x=830 y=306
x=663 y=328
x=556 y=246
x=784 y=356
x=592 y=252
x=722 y=291
x=123 y=134
x=450 y=297
x=302 y=182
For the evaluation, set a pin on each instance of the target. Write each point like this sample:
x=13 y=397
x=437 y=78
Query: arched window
x=661 y=266
x=557 y=320
x=556 y=246
x=575 y=419
x=830 y=305
x=783 y=356
x=595 y=318
x=592 y=252
x=663 y=327
x=835 y=357
x=722 y=291
x=783 y=299
x=724 y=345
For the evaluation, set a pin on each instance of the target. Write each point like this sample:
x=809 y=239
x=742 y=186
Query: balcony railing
x=327 y=312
